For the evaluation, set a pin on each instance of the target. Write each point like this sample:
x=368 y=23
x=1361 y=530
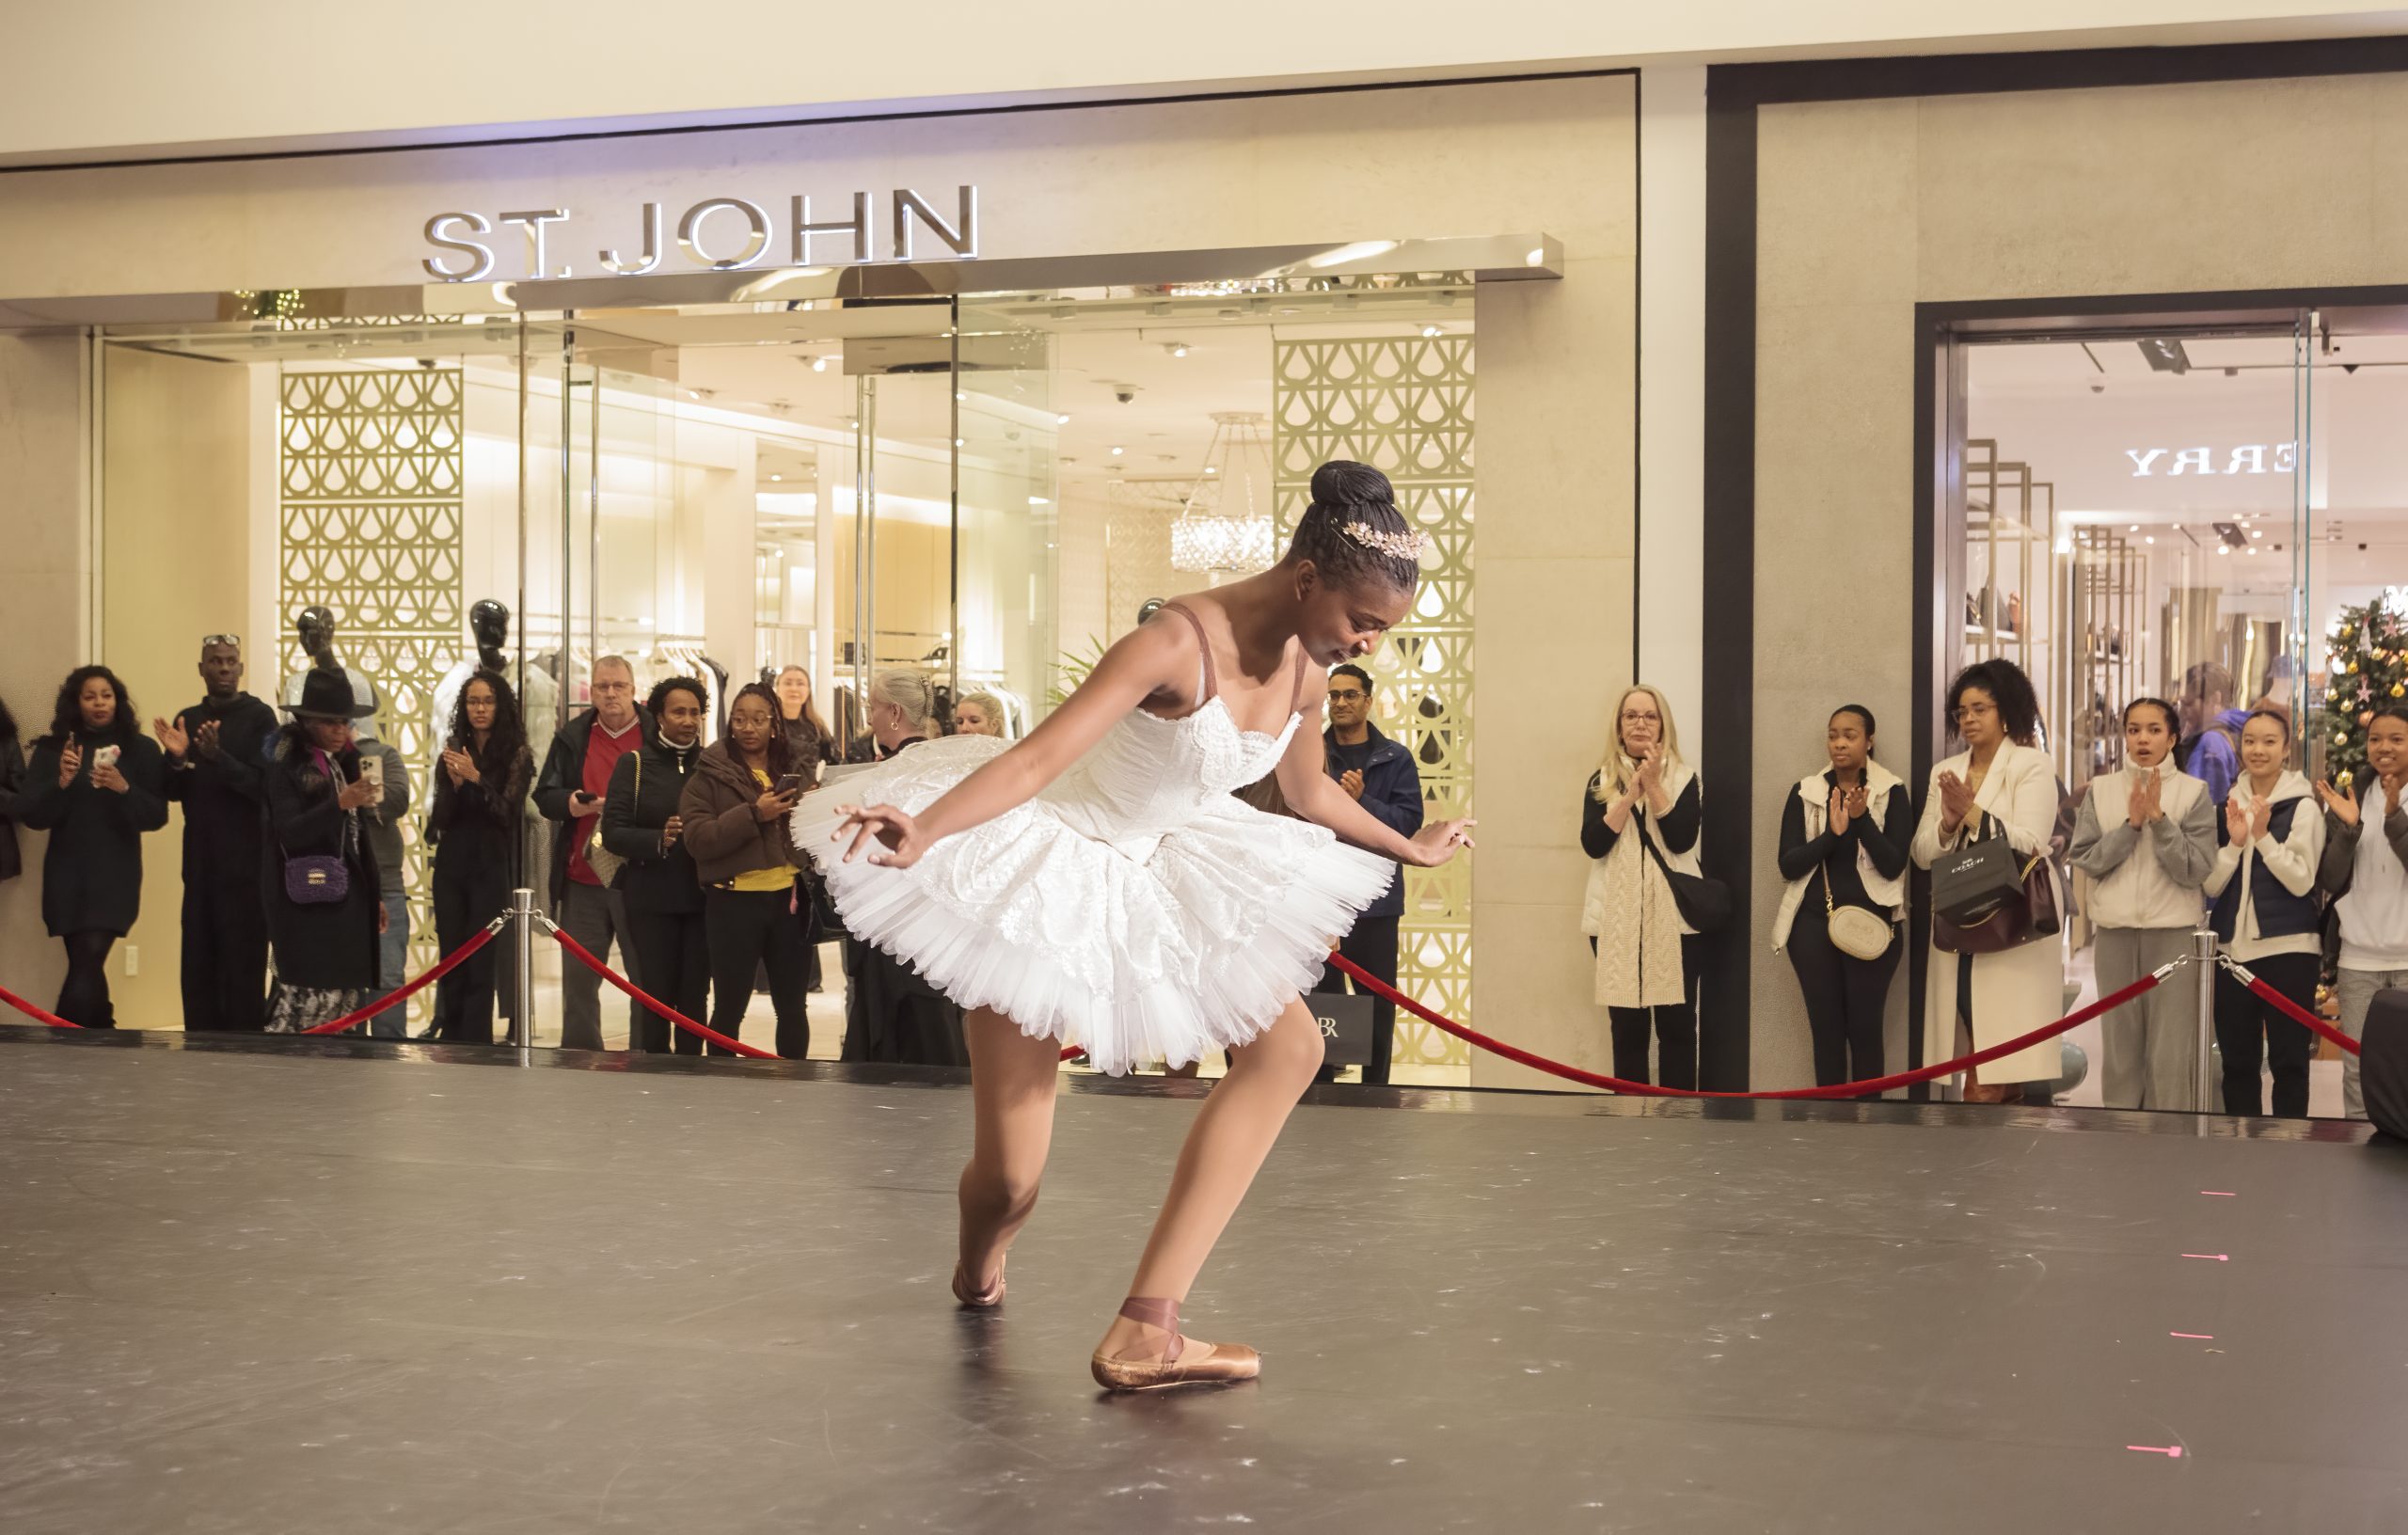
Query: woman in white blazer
x=2009 y=788
x=1844 y=838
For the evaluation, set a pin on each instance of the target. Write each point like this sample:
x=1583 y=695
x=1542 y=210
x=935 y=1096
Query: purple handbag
x=316 y=879
x=319 y=878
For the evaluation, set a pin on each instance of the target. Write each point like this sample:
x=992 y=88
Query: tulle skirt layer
x=1138 y=945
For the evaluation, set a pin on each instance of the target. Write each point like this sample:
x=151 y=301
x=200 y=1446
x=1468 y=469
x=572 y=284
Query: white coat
x=2020 y=989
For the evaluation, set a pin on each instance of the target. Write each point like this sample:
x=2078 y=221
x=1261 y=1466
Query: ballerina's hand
x=890 y=838
x=1436 y=843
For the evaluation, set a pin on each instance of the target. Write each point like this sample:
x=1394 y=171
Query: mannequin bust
x=489 y=622
x=315 y=626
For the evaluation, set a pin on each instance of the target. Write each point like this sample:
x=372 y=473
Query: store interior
x=2139 y=502
x=989 y=488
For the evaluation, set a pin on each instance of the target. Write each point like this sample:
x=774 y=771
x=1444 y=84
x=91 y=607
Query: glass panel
x=1008 y=553
x=2131 y=509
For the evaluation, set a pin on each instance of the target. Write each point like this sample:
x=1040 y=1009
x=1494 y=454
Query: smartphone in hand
x=105 y=756
x=791 y=783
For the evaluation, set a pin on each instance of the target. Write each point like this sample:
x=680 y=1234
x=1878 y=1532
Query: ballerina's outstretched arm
x=1154 y=660
x=1310 y=792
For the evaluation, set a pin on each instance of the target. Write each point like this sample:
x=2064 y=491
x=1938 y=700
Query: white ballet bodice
x=1149 y=775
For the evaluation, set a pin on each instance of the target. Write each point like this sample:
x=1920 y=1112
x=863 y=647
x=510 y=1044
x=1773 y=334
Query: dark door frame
x=1734 y=94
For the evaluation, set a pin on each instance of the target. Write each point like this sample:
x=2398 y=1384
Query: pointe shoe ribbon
x=978 y=1300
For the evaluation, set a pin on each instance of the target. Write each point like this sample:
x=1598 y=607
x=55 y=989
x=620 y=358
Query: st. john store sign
x=717 y=235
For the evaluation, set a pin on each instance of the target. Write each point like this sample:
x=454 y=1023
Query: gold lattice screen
x=1404 y=405
x=371 y=466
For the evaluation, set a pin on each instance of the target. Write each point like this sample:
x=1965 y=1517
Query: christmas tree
x=2369 y=669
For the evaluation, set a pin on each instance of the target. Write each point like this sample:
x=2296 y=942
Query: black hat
x=326 y=694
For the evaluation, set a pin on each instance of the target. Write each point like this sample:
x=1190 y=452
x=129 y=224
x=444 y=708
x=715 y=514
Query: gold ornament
x=2344 y=780
x=2399 y=689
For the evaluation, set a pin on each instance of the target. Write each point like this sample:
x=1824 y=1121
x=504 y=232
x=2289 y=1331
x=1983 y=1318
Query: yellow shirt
x=763 y=880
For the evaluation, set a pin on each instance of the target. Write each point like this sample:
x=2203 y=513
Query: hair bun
x=1343 y=483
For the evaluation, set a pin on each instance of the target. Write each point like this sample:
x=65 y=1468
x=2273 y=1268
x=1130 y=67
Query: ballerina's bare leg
x=1012 y=1081
x=1226 y=1147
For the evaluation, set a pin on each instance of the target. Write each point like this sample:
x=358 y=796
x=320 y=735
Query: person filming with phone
x=733 y=820
x=96 y=784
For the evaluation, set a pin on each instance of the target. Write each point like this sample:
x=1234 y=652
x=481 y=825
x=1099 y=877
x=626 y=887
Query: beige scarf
x=1638 y=926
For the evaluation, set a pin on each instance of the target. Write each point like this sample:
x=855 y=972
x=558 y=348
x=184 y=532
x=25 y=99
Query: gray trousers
x=2152 y=1042
x=592 y=915
x=2356 y=989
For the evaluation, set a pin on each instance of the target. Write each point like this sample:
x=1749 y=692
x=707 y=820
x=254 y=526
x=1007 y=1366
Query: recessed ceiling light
x=820 y=365
x=2133 y=529
x=1061 y=420
x=1432 y=332
x=2150 y=539
x=1039 y=500
x=1117 y=451
x=775 y=478
x=1211 y=469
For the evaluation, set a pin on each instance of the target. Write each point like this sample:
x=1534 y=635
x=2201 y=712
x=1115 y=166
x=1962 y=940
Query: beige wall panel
x=2157 y=189
x=1839 y=180
x=1833 y=564
x=1445 y=161
x=44 y=595
x=176 y=457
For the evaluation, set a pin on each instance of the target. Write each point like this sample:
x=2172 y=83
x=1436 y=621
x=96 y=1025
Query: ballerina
x=1097 y=884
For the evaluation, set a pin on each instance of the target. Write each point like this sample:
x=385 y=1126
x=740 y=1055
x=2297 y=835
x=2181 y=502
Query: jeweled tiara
x=1404 y=545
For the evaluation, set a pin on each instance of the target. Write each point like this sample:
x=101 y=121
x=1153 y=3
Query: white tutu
x=1134 y=908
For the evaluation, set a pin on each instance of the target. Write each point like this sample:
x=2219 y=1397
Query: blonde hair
x=911 y=691
x=996 y=713
x=1613 y=774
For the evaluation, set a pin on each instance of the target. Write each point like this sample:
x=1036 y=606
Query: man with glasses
x=1381 y=774
x=215 y=752
x=575 y=781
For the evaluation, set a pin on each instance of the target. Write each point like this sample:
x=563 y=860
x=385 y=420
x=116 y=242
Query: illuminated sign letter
x=481 y=256
x=962 y=239
x=611 y=262
x=858 y=227
x=690 y=230
x=2193 y=458
x=2254 y=454
x=534 y=219
x=2141 y=461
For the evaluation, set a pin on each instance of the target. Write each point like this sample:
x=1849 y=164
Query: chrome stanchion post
x=522 y=970
x=2203 y=961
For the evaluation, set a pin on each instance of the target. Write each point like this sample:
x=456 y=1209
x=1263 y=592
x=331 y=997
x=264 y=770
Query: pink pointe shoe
x=984 y=1300
x=1184 y=1361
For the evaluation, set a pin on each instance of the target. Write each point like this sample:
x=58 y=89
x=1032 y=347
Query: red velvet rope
x=2298 y=1014
x=1845 y=1089
x=437 y=972
x=586 y=957
x=33 y=1012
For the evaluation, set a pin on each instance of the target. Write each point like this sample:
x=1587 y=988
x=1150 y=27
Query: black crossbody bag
x=1704 y=904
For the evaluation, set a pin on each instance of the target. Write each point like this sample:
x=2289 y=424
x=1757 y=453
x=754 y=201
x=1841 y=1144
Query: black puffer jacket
x=647 y=787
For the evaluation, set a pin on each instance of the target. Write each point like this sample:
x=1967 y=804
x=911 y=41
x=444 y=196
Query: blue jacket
x=2280 y=913
x=1391 y=792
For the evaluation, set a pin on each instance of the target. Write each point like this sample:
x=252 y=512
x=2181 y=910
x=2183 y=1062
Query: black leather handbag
x=1704 y=904
x=1987 y=897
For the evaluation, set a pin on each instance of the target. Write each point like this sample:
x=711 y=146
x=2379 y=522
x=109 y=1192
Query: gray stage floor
x=259 y=1290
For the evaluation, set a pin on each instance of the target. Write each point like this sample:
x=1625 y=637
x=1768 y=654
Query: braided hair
x=1347 y=493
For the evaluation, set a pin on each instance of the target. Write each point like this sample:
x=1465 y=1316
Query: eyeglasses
x=1971 y=711
x=209 y=639
x=1633 y=717
x=1346 y=695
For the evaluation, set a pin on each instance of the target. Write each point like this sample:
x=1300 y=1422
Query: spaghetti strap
x=1208 y=680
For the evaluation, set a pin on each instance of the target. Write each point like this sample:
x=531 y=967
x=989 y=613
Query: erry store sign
x=2248 y=458
x=717 y=235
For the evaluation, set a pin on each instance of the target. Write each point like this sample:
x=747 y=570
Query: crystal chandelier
x=1224 y=524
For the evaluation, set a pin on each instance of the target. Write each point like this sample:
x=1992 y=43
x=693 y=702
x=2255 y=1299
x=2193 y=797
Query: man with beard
x=215 y=750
